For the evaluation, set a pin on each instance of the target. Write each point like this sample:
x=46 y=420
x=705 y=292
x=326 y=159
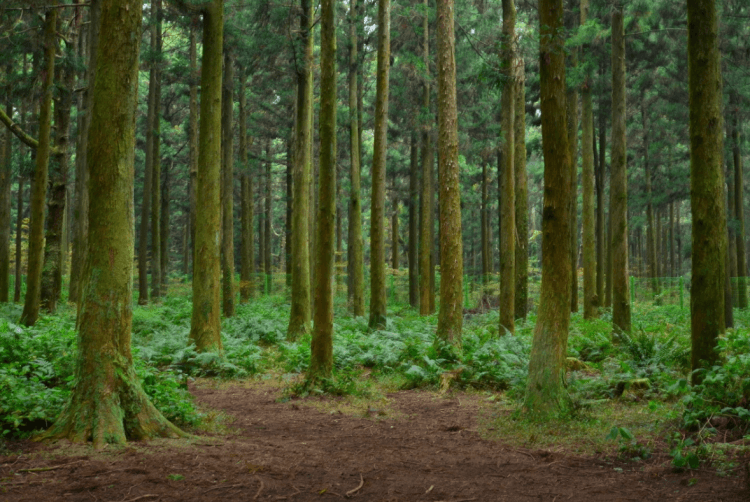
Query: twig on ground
x=257 y=494
x=41 y=469
x=223 y=486
x=355 y=490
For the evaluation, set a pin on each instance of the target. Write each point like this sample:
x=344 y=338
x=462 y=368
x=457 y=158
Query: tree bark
x=572 y=113
x=227 y=187
x=268 y=266
x=739 y=213
x=600 y=214
x=508 y=198
x=321 y=349
x=108 y=403
x=650 y=233
x=301 y=314
x=39 y=184
x=590 y=299
x=413 y=223
x=426 y=268
x=484 y=225
x=193 y=135
x=247 y=265
x=164 y=228
x=377 y=207
x=706 y=184
x=619 y=180
x=156 y=250
x=205 y=326
x=545 y=389
x=522 y=204
x=6 y=157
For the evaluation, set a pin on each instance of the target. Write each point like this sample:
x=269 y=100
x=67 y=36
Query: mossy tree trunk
x=706 y=183
x=39 y=184
x=426 y=265
x=108 y=403
x=572 y=112
x=227 y=187
x=156 y=250
x=451 y=314
x=301 y=312
x=321 y=350
x=619 y=180
x=545 y=392
x=508 y=182
x=247 y=265
x=739 y=213
x=205 y=326
x=590 y=299
x=377 y=207
x=193 y=133
x=413 y=222
x=522 y=209
x=6 y=156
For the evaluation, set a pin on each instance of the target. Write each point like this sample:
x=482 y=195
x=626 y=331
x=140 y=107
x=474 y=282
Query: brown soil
x=420 y=447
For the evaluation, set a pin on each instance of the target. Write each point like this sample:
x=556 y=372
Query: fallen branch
x=257 y=494
x=42 y=469
x=355 y=490
x=223 y=486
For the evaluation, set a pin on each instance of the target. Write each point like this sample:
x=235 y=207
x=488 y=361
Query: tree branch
x=16 y=129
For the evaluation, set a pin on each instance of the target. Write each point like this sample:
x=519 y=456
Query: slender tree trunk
x=394 y=234
x=413 y=220
x=426 y=268
x=301 y=313
x=484 y=225
x=619 y=182
x=377 y=207
x=288 y=218
x=321 y=350
x=572 y=113
x=545 y=388
x=205 y=327
x=269 y=214
x=108 y=403
x=508 y=198
x=706 y=184
x=39 y=184
x=261 y=232
x=156 y=250
x=19 y=226
x=227 y=187
x=678 y=238
x=522 y=204
x=600 y=215
x=650 y=234
x=354 y=245
x=590 y=299
x=6 y=156
x=739 y=213
x=247 y=264
x=164 y=228
x=450 y=316
x=671 y=240
x=193 y=136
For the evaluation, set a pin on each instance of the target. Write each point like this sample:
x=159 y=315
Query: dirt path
x=430 y=451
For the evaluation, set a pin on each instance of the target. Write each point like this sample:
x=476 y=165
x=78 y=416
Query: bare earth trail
x=427 y=448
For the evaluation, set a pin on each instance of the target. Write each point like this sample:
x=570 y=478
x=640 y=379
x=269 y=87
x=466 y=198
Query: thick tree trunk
x=590 y=299
x=156 y=250
x=545 y=389
x=706 y=184
x=321 y=349
x=413 y=223
x=205 y=326
x=301 y=313
x=508 y=198
x=522 y=204
x=39 y=184
x=108 y=403
x=377 y=207
x=619 y=180
x=354 y=250
x=227 y=187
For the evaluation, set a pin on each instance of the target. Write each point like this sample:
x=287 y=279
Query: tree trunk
x=650 y=233
x=600 y=215
x=413 y=220
x=522 y=204
x=354 y=245
x=156 y=250
x=619 y=180
x=39 y=184
x=508 y=198
x=590 y=299
x=108 y=404
x=300 y=315
x=706 y=184
x=6 y=156
x=205 y=326
x=288 y=218
x=247 y=265
x=268 y=266
x=377 y=208
x=545 y=389
x=394 y=234
x=321 y=349
x=164 y=234
x=739 y=213
x=426 y=268
x=484 y=225
x=193 y=136
x=227 y=187
x=572 y=114
x=19 y=226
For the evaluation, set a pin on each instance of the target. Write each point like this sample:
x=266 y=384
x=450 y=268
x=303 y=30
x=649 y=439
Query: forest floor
x=409 y=446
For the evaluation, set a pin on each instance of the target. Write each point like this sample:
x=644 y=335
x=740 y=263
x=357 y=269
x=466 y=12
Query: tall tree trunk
x=522 y=204
x=619 y=180
x=108 y=403
x=19 y=226
x=6 y=156
x=484 y=225
x=508 y=198
x=600 y=214
x=227 y=187
x=650 y=233
x=321 y=349
x=288 y=218
x=156 y=250
x=590 y=298
x=247 y=265
x=80 y=213
x=413 y=227
x=451 y=314
x=268 y=266
x=148 y=176
x=678 y=238
x=572 y=113
x=545 y=388
x=394 y=234
x=671 y=240
x=193 y=135
x=261 y=231
x=354 y=245
x=377 y=207
x=164 y=229
x=301 y=313
x=426 y=268
x=205 y=326
x=706 y=184
x=739 y=213
x=39 y=184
